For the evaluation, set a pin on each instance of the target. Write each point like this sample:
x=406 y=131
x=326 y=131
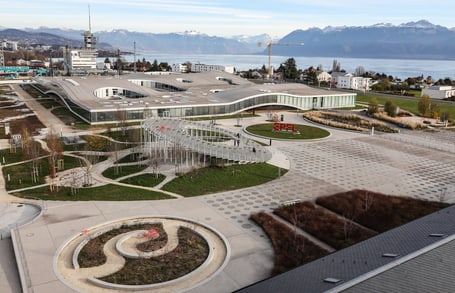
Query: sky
x=219 y=18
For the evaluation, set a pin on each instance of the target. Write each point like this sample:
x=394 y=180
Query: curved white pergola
x=179 y=141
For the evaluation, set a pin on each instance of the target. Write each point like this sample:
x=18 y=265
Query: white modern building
x=199 y=67
x=179 y=67
x=10 y=45
x=439 y=92
x=348 y=81
x=82 y=60
x=324 y=77
x=97 y=99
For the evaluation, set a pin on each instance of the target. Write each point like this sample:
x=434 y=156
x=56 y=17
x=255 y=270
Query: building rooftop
x=388 y=258
x=185 y=89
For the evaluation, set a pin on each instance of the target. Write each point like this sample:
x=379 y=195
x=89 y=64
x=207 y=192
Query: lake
x=400 y=68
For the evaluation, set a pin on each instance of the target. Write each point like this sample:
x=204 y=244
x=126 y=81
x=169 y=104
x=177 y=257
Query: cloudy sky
x=220 y=18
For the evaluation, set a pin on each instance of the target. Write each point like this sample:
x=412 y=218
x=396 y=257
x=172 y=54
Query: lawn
x=20 y=175
x=11 y=156
x=120 y=171
x=217 y=179
x=131 y=158
x=305 y=132
x=149 y=180
x=410 y=105
x=108 y=192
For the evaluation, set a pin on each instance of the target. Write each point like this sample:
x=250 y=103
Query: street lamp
x=50 y=63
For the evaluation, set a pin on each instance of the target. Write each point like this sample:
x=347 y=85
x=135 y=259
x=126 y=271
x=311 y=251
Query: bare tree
x=122 y=116
x=348 y=225
x=368 y=199
x=31 y=151
x=444 y=195
x=55 y=147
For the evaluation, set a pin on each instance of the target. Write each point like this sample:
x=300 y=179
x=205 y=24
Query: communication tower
x=2 y=57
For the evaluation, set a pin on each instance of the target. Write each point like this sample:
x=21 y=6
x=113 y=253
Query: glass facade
x=157 y=85
x=299 y=102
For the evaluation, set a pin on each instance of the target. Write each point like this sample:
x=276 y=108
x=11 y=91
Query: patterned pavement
x=377 y=163
x=408 y=164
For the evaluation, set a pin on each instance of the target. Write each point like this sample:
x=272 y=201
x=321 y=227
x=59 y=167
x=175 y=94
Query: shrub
x=346 y=121
x=390 y=108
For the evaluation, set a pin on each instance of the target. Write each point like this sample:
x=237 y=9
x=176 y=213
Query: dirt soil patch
x=291 y=249
x=344 y=219
x=336 y=231
x=378 y=211
x=190 y=253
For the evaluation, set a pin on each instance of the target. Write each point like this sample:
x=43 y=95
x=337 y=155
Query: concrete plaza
x=417 y=164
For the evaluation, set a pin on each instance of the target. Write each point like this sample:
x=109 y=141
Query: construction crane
x=269 y=48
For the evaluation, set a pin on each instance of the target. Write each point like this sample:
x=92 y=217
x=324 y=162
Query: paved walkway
x=344 y=161
x=43 y=114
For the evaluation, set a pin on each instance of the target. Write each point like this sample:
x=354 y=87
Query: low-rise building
x=324 y=77
x=439 y=92
x=199 y=67
x=82 y=60
x=97 y=99
x=10 y=45
x=179 y=67
x=348 y=81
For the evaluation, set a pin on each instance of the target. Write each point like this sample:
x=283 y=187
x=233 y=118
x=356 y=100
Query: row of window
x=293 y=101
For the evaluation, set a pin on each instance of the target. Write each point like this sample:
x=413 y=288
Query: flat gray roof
x=207 y=88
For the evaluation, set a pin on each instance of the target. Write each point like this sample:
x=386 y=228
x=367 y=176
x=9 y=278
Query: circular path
x=124 y=245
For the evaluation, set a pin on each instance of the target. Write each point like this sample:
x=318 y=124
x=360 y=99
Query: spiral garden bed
x=141 y=254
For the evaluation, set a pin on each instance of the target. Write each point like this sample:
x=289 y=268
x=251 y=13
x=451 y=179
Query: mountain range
x=413 y=40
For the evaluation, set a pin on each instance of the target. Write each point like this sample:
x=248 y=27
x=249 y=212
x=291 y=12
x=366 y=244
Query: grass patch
x=108 y=192
x=131 y=158
x=70 y=162
x=306 y=132
x=217 y=179
x=21 y=174
x=148 y=180
x=120 y=171
x=410 y=105
x=132 y=134
x=102 y=144
x=11 y=156
x=233 y=116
